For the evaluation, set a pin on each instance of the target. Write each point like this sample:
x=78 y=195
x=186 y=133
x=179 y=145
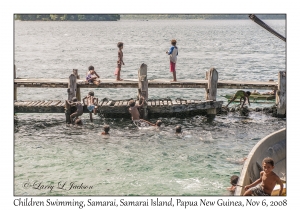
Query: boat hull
x=274 y=146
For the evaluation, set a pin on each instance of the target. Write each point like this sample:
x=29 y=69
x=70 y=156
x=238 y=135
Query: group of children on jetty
x=93 y=77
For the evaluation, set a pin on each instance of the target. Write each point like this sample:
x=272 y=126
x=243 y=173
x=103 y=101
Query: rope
x=265 y=26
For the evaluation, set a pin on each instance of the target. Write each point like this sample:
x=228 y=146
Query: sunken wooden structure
x=151 y=108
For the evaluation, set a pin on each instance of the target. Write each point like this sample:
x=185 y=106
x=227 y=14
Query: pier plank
x=34 y=103
x=61 y=103
x=17 y=103
x=27 y=103
x=41 y=103
x=117 y=103
x=103 y=103
x=47 y=103
x=54 y=103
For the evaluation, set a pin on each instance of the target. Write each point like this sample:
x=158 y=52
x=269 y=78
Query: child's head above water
x=158 y=123
x=178 y=129
x=234 y=180
x=106 y=128
x=248 y=93
x=78 y=122
x=91 y=68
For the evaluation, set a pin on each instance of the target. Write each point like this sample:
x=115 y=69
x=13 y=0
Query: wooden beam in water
x=108 y=107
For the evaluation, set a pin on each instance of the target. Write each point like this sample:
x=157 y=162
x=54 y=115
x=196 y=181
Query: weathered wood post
x=143 y=89
x=211 y=90
x=15 y=85
x=281 y=94
x=78 y=94
x=72 y=90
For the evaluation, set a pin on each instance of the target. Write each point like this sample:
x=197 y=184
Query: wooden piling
x=15 y=85
x=281 y=94
x=78 y=94
x=143 y=89
x=211 y=90
x=68 y=112
x=72 y=92
x=72 y=85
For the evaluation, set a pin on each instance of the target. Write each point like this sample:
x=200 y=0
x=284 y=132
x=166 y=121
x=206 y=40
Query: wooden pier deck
x=156 y=83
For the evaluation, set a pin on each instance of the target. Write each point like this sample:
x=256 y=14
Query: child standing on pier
x=120 y=61
x=266 y=182
x=92 y=76
x=91 y=104
x=173 y=52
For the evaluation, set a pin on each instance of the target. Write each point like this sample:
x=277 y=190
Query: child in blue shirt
x=173 y=52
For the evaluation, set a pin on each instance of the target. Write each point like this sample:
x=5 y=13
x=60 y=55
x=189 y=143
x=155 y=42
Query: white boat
x=273 y=146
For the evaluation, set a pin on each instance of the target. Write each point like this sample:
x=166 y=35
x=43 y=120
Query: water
x=135 y=161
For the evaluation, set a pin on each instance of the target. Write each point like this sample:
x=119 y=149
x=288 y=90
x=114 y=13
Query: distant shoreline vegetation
x=199 y=16
x=66 y=17
x=115 y=17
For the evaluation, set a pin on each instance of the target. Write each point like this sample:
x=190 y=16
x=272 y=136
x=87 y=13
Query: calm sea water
x=134 y=161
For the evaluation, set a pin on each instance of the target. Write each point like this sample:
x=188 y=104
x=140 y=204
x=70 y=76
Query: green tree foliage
x=67 y=17
x=201 y=16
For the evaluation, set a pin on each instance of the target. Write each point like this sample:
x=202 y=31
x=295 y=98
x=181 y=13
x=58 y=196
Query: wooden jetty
x=119 y=108
x=158 y=107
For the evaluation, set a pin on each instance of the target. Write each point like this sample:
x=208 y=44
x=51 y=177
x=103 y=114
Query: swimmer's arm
x=147 y=122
